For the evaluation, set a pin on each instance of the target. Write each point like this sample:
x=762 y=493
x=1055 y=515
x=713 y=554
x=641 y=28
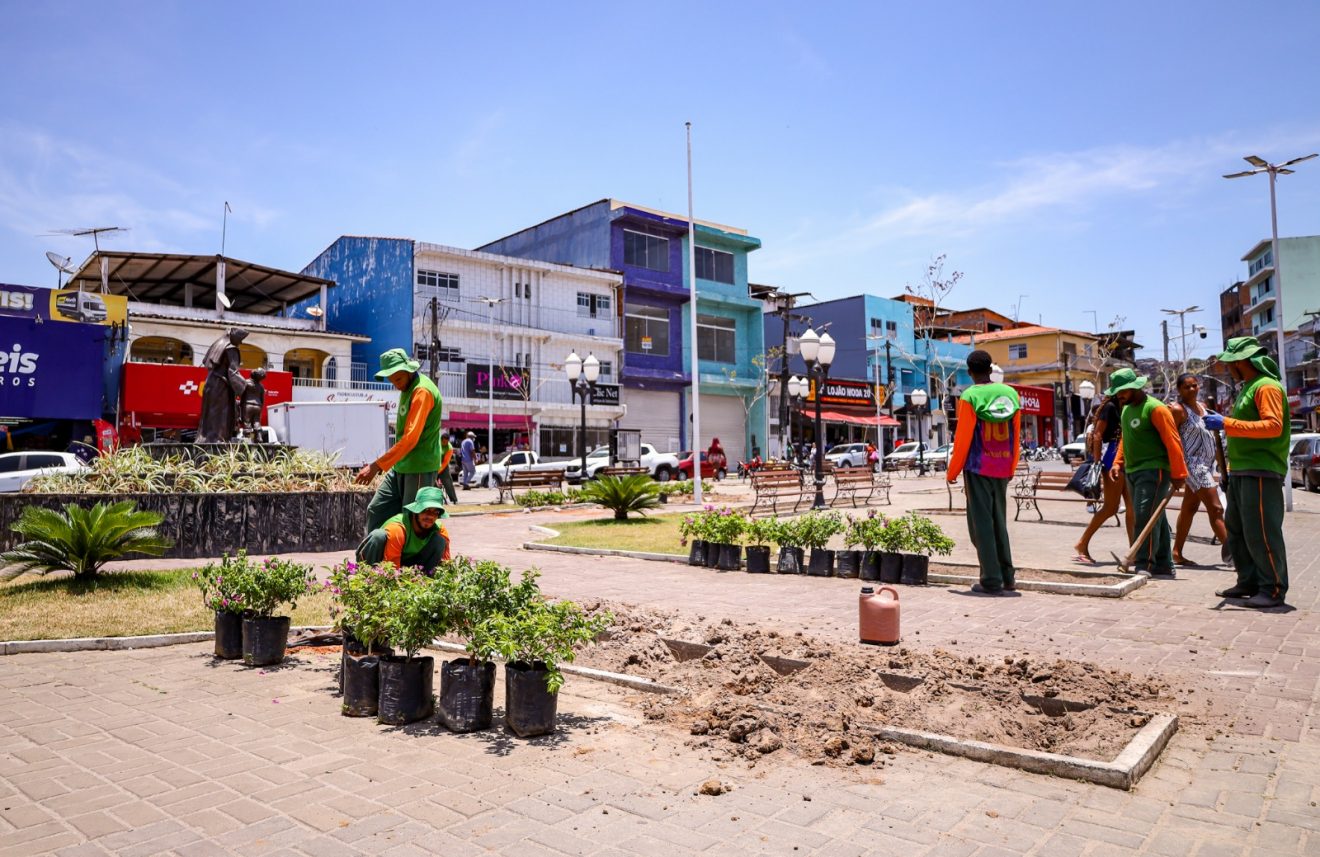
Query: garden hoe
x=1124 y=564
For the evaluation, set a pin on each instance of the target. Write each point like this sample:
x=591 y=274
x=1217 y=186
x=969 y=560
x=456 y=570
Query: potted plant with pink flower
x=219 y=587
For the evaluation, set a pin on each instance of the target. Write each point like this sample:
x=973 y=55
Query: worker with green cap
x=1259 y=435
x=412 y=538
x=412 y=463
x=1150 y=451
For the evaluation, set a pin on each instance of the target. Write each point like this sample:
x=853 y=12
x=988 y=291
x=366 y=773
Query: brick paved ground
x=166 y=752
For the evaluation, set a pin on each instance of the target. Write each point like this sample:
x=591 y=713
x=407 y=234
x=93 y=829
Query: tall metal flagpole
x=696 y=361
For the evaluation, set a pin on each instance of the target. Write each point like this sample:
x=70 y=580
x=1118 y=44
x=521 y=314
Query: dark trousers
x=987 y=522
x=1149 y=487
x=395 y=491
x=1255 y=534
x=447 y=481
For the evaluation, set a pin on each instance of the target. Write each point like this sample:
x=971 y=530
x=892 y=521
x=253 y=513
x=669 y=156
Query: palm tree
x=81 y=540
x=635 y=493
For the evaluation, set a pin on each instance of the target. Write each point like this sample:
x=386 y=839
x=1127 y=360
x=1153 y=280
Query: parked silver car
x=16 y=468
x=1304 y=461
x=847 y=455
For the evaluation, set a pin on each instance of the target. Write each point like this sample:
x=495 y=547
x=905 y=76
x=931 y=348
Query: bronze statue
x=253 y=400
x=223 y=384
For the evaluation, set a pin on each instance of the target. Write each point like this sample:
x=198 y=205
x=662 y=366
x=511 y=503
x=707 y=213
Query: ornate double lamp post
x=582 y=375
x=818 y=353
x=797 y=390
x=918 y=399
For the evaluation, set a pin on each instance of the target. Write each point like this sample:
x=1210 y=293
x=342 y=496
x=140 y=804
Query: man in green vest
x=1150 y=451
x=414 y=538
x=1259 y=436
x=415 y=457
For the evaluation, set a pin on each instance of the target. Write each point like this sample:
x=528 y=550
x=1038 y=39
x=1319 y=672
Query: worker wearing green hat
x=412 y=538
x=1150 y=452
x=1259 y=435
x=411 y=463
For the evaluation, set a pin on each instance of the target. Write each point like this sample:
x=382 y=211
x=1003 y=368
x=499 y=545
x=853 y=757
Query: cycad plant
x=81 y=540
x=623 y=494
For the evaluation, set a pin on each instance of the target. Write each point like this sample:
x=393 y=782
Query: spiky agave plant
x=81 y=540
x=623 y=494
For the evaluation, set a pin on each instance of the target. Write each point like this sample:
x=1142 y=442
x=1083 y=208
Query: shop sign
x=50 y=371
x=509 y=383
x=845 y=392
x=161 y=395
x=67 y=305
x=330 y=394
x=605 y=394
x=1038 y=401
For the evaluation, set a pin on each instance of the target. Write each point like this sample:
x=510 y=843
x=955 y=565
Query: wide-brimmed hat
x=428 y=498
x=396 y=360
x=1241 y=348
x=1125 y=379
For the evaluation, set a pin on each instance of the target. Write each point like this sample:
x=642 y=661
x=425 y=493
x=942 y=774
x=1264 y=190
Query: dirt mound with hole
x=751 y=692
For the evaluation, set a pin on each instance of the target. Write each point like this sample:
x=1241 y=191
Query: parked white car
x=847 y=455
x=496 y=474
x=906 y=455
x=1076 y=449
x=663 y=466
x=16 y=468
x=939 y=457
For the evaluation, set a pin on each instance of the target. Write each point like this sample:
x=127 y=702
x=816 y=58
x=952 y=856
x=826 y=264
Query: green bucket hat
x=428 y=498
x=1125 y=379
x=396 y=360
x=1241 y=348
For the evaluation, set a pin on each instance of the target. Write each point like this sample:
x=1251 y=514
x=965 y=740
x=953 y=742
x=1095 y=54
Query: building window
x=877 y=327
x=714 y=265
x=593 y=306
x=646 y=330
x=443 y=286
x=606 y=369
x=645 y=251
x=1070 y=348
x=1017 y=352
x=891 y=329
x=517 y=290
x=715 y=339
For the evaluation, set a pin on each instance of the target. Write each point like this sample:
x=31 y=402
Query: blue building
x=877 y=350
x=650 y=249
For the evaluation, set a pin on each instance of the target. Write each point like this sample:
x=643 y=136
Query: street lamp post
x=1086 y=390
x=582 y=375
x=797 y=389
x=1182 y=321
x=1260 y=165
x=818 y=353
x=918 y=399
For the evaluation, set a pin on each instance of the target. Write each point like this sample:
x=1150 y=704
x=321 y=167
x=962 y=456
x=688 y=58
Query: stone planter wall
x=208 y=525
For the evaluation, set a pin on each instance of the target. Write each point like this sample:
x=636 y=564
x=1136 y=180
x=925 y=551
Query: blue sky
x=1067 y=152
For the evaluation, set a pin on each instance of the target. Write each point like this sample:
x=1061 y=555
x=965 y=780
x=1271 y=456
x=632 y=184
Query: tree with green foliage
x=81 y=540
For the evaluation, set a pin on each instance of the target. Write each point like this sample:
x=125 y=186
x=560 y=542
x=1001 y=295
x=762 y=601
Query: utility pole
x=435 y=365
x=1067 y=403
x=1164 y=326
x=889 y=383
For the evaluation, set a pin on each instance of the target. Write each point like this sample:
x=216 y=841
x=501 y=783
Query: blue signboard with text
x=51 y=370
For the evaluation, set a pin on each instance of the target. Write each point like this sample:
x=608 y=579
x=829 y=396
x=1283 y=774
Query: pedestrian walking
x=1259 y=433
x=446 y=475
x=985 y=451
x=1202 y=487
x=412 y=462
x=1151 y=452
x=467 y=457
x=1104 y=439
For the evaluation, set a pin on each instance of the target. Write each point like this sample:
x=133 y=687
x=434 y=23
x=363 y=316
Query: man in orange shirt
x=412 y=538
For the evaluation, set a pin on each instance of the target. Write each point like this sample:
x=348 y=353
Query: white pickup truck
x=492 y=475
x=662 y=466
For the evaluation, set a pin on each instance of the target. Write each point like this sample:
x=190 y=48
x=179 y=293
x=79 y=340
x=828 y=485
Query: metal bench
x=1040 y=485
x=619 y=470
x=851 y=480
x=531 y=480
x=773 y=486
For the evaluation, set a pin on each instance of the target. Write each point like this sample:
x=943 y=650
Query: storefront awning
x=854 y=419
x=473 y=420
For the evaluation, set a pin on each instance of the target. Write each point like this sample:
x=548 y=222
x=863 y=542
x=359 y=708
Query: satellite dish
x=224 y=300
x=61 y=264
x=315 y=311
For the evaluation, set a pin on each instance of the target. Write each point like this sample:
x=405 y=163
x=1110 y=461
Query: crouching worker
x=412 y=538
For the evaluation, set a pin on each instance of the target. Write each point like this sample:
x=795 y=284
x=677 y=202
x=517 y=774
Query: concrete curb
x=622 y=679
x=90 y=644
x=1113 y=590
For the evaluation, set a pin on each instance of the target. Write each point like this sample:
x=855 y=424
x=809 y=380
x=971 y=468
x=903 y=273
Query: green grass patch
x=652 y=534
x=118 y=604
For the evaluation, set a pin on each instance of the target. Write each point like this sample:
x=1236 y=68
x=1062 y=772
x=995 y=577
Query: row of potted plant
x=892 y=550
x=388 y=615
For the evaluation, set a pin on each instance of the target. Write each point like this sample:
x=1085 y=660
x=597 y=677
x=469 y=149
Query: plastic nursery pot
x=846 y=563
x=730 y=558
x=915 y=569
x=891 y=567
x=822 y=563
x=870 y=566
x=697 y=553
x=467 y=694
x=713 y=554
x=228 y=635
x=361 y=684
x=405 y=689
x=758 y=559
x=529 y=708
x=790 y=560
x=264 y=639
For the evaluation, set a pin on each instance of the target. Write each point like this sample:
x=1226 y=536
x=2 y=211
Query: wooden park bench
x=531 y=480
x=774 y=486
x=620 y=470
x=1039 y=486
x=849 y=481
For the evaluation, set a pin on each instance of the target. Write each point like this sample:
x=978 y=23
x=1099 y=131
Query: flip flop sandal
x=1082 y=559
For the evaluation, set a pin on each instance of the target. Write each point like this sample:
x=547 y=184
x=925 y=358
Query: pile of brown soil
x=737 y=706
